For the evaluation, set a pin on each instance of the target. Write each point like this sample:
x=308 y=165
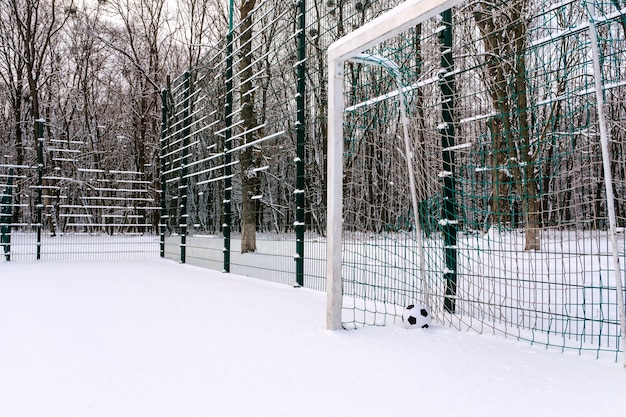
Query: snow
x=156 y=338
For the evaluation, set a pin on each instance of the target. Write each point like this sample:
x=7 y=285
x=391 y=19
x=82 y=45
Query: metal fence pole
x=300 y=147
x=163 y=216
x=608 y=180
x=449 y=226
x=226 y=226
x=39 y=127
x=6 y=211
x=182 y=185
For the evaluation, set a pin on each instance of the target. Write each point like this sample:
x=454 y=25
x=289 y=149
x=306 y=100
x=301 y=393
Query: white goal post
x=384 y=27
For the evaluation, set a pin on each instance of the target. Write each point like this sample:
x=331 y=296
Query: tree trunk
x=499 y=125
x=513 y=160
x=527 y=188
x=249 y=179
x=19 y=148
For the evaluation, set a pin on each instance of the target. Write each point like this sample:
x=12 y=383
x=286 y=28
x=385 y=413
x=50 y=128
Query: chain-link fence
x=505 y=103
x=73 y=197
x=244 y=144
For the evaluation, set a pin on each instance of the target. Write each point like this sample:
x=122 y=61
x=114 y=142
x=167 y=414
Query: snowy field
x=82 y=246
x=563 y=295
x=272 y=261
x=156 y=338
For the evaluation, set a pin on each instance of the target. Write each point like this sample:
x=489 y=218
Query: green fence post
x=39 y=202
x=182 y=184
x=6 y=216
x=300 y=147
x=163 y=216
x=228 y=119
x=449 y=223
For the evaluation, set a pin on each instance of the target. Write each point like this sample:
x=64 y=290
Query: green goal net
x=497 y=199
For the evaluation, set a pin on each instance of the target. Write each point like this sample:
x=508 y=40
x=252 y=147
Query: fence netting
x=75 y=195
x=505 y=104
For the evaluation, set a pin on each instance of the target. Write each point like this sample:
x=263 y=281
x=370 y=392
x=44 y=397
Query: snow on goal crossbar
x=473 y=153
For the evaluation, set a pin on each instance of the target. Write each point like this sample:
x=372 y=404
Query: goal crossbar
x=386 y=26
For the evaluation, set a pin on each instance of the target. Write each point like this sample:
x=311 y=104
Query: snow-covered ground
x=155 y=338
x=82 y=246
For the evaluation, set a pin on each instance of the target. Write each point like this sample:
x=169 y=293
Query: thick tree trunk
x=499 y=125
x=249 y=179
x=527 y=188
x=513 y=161
x=19 y=150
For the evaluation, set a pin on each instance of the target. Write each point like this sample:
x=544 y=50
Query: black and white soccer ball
x=417 y=316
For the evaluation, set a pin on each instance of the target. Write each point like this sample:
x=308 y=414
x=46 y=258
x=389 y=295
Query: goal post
x=384 y=27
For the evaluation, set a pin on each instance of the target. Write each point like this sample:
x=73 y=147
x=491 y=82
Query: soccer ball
x=416 y=316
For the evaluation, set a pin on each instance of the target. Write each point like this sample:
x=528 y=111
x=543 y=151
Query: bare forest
x=85 y=76
x=86 y=79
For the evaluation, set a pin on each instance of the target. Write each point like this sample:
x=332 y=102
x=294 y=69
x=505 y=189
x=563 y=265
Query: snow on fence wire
x=513 y=122
x=235 y=149
x=74 y=199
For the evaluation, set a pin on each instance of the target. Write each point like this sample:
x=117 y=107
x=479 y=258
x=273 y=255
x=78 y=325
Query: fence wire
x=70 y=197
x=512 y=198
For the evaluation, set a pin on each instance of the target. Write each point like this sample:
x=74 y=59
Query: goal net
x=476 y=162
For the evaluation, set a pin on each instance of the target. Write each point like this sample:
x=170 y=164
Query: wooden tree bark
x=527 y=184
x=504 y=39
x=36 y=25
x=249 y=179
x=499 y=125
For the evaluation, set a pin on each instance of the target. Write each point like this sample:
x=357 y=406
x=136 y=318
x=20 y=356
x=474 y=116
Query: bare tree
x=12 y=68
x=200 y=24
x=249 y=178
x=36 y=24
x=504 y=38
